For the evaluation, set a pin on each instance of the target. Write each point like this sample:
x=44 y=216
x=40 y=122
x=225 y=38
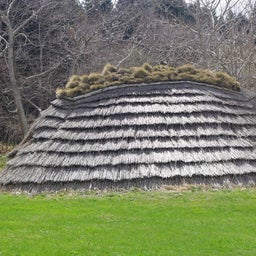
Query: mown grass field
x=132 y=223
x=193 y=222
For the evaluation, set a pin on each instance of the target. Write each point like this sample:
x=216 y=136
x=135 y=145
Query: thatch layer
x=224 y=181
x=124 y=135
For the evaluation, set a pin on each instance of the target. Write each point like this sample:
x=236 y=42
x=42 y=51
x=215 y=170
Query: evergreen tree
x=174 y=10
x=96 y=8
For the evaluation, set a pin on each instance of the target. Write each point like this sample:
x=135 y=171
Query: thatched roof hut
x=139 y=135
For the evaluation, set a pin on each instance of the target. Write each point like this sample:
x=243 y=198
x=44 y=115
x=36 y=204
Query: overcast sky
x=237 y=5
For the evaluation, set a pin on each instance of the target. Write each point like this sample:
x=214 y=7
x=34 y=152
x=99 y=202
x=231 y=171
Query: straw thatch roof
x=139 y=135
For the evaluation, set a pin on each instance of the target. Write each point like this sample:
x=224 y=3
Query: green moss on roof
x=111 y=76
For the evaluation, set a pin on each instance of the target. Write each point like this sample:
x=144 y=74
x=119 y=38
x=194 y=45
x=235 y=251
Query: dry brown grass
x=111 y=75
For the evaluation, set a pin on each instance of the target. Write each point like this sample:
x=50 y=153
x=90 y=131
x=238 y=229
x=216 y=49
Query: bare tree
x=35 y=41
x=41 y=47
x=12 y=32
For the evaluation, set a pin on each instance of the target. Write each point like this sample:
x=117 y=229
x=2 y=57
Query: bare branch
x=45 y=72
x=10 y=7
x=4 y=18
x=244 y=63
x=16 y=30
x=6 y=45
x=32 y=104
x=127 y=56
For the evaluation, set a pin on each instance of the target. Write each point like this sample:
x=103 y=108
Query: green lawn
x=133 y=223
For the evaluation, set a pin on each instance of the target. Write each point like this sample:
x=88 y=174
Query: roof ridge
x=114 y=87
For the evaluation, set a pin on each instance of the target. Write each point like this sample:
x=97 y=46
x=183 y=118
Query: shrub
x=124 y=71
x=84 y=79
x=60 y=92
x=140 y=72
x=72 y=84
x=189 y=69
x=75 y=78
x=205 y=79
x=147 y=67
x=112 y=77
x=95 y=78
x=96 y=86
x=172 y=74
x=159 y=76
x=109 y=68
x=74 y=92
x=186 y=77
x=226 y=80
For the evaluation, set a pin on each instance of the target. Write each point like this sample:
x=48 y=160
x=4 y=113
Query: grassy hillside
x=134 y=223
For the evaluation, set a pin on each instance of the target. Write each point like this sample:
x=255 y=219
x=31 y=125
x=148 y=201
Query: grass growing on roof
x=111 y=75
x=135 y=223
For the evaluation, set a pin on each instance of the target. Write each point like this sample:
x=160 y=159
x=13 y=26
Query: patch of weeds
x=2 y=161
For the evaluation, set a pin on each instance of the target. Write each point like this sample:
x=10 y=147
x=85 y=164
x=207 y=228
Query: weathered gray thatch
x=139 y=135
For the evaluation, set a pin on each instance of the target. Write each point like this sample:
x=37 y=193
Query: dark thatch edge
x=220 y=182
x=189 y=83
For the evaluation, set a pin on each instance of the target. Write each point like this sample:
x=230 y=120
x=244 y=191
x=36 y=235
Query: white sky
x=235 y=5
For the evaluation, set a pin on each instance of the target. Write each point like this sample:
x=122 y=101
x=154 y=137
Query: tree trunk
x=15 y=88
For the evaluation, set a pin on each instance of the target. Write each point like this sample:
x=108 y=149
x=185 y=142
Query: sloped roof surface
x=164 y=130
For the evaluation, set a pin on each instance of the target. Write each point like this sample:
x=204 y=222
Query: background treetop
x=44 y=42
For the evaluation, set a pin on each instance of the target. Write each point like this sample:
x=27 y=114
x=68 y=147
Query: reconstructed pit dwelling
x=139 y=127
